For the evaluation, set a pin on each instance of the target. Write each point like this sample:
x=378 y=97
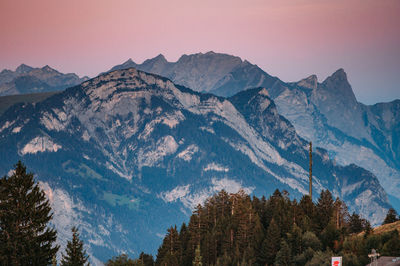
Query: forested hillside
x=235 y=229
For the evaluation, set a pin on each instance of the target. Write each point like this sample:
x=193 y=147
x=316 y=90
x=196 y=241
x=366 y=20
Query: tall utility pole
x=310 y=189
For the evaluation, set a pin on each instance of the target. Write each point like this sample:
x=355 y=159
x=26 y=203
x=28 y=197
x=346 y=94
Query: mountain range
x=220 y=74
x=327 y=113
x=128 y=153
x=26 y=79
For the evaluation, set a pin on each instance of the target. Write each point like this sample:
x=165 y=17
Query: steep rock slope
x=127 y=154
x=330 y=115
x=326 y=113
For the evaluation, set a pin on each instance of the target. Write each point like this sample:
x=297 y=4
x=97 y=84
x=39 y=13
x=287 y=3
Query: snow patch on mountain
x=85 y=136
x=190 y=197
x=123 y=174
x=164 y=146
x=216 y=167
x=195 y=197
x=177 y=193
x=208 y=129
x=188 y=153
x=6 y=125
x=174 y=119
x=169 y=119
x=40 y=144
x=16 y=130
x=52 y=123
x=229 y=185
x=348 y=189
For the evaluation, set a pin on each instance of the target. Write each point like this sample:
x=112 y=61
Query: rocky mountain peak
x=47 y=68
x=158 y=59
x=210 y=56
x=310 y=82
x=4 y=71
x=105 y=84
x=129 y=62
x=27 y=79
x=338 y=86
x=339 y=76
x=23 y=69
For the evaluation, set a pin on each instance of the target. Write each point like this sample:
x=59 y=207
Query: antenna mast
x=310 y=189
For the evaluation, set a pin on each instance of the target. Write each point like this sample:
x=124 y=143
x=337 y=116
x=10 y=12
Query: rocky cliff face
x=330 y=115
x=326 y=113
x=128 y=153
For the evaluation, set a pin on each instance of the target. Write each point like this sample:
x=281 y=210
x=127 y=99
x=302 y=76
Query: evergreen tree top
x=75 y=253
x=25 y=237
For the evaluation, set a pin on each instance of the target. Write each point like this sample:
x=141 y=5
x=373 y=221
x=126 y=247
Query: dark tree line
x=235 y=229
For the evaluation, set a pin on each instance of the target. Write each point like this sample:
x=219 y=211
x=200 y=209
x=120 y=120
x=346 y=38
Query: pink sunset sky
x=290 y=39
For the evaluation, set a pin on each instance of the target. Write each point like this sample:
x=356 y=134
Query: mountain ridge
x=27 y=79
x=326 y=113
x=128 y=153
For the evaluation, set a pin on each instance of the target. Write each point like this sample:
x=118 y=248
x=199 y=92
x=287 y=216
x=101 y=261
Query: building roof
x=387 y=261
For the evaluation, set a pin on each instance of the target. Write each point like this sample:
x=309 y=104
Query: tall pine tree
x=391 y=216
x=25 y=238
x=325 y=209
x=284 y=255
x=270 y=245
x=76 y=255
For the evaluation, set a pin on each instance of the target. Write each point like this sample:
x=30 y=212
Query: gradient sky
x=290 y=39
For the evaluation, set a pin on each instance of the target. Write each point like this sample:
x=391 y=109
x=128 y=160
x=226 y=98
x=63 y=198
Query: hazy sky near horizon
x=290 y=39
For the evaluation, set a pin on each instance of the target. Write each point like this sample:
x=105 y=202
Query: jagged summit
x=310 y=82
x=5 y=71
x=23 y=69
x=338 y=76
x=159 y=59
x=211 y=55
x=127 y=64
x=49 y=69
x=218 y=73
x=338 y=87
x=26 y=79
